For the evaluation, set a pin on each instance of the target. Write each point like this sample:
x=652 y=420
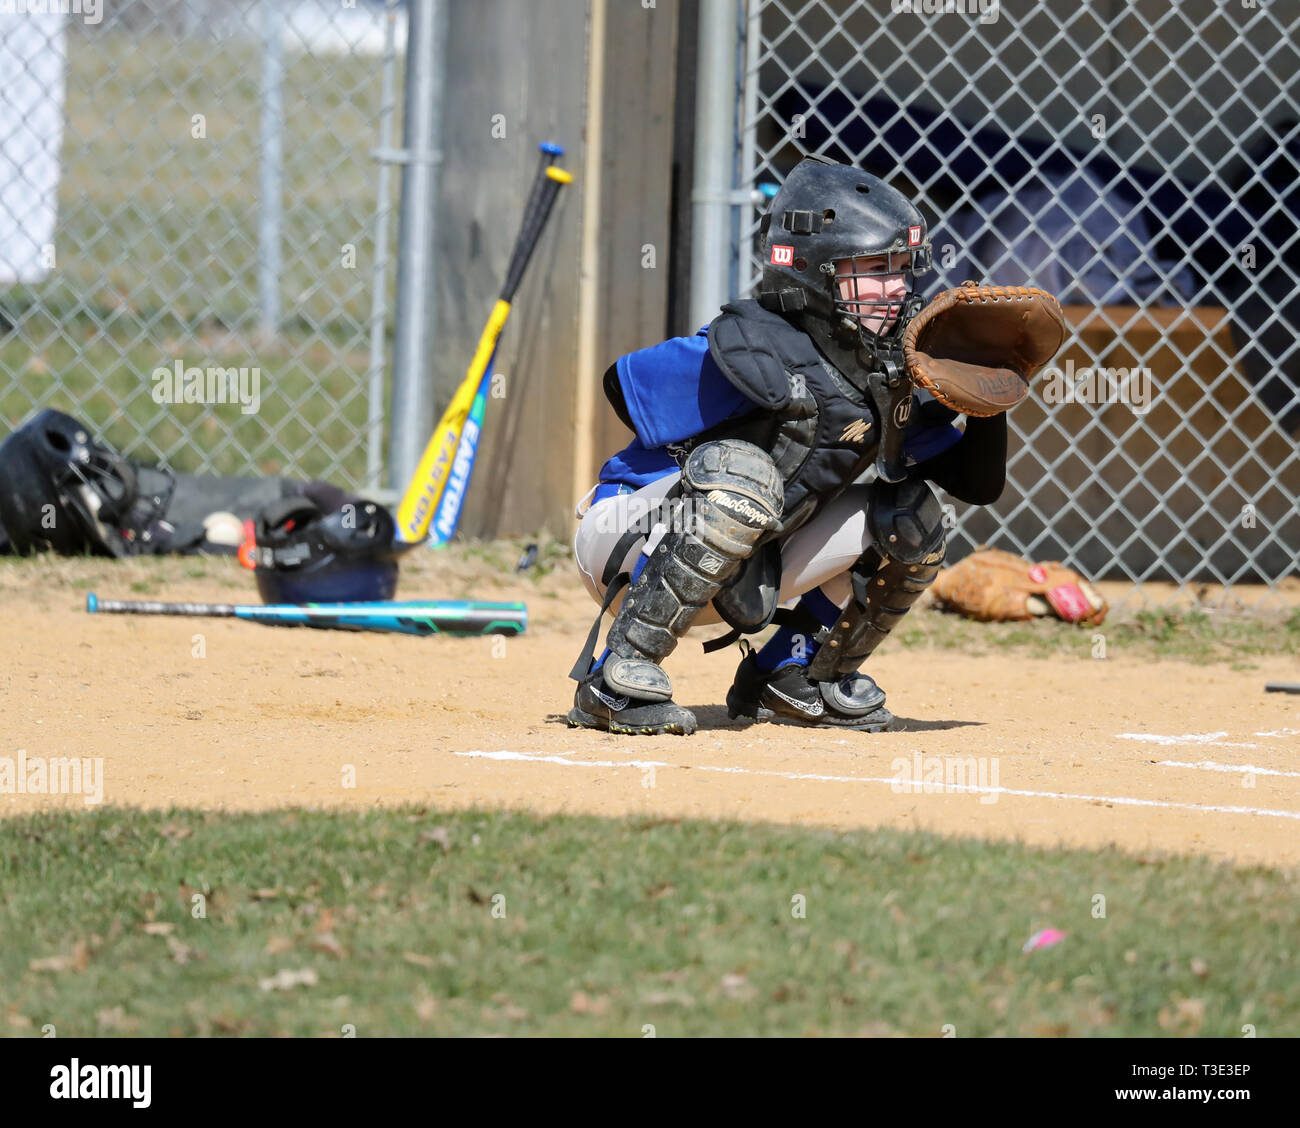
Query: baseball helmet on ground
x=61 y=489
x=308 y=554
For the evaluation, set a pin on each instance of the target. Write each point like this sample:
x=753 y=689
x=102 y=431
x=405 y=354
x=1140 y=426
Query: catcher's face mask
x=876 y=290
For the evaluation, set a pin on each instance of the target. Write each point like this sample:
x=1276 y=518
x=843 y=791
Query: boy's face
x=873 y=297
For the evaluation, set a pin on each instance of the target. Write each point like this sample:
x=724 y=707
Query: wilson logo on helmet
x=782 y=256
x=913 y=236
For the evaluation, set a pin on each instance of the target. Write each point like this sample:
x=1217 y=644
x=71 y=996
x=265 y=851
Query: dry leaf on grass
x=665 y=998
x=425 y=1005
x=77 y=961
x=1182 y=1016
x=181 y=953
x=737 y=987
x=440 y=835
x=326 y=942
x=286 y=979
x=582 y=1003
x=158 y=928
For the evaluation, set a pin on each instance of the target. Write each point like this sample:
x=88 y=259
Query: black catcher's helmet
x=827 y=214
x=60 y=489
x=306 y=554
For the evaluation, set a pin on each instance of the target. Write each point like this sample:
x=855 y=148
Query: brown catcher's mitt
x=992 y=585
x=977 y=348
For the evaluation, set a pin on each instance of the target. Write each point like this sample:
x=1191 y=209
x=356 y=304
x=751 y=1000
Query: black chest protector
x=819 y=429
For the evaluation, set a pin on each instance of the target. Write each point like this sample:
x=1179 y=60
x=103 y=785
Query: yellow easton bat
x=420 y=501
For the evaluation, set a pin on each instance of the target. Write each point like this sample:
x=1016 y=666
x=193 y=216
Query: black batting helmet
x=61 y=489
x=305 y=554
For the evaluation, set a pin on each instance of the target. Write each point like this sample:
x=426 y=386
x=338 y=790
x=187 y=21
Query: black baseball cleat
x=597 y=705
x=790 y=696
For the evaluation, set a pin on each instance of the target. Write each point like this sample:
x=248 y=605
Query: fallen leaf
x=440 y=835
x=326 y=942
x=77 y=961
x=266 y=894
x=582 y=1003
x=665 y=998
x=181 y=953
x=158 y=928
x=278 y=945
x=286 y=979
x=418 y=960
x=1183 y=1016
x=175 y=831
x=736 y=986
x=425 y=1005
x=111 y=1018
x=1199 y=967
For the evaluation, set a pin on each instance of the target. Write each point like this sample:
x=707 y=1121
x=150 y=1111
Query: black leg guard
x=880 y=601
x=731 y=495
x=907 y=526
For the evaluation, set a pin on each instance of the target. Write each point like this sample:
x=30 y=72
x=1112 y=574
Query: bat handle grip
x=92 y=602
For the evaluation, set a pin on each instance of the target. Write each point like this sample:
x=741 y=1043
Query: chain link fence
x=1142 y=161
x=189 y=203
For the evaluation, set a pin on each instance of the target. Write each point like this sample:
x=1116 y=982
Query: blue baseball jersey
x=675 y=389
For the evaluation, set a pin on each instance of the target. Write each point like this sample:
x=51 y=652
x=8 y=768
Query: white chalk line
x=1210 y=738
x=910 y=788
x=1213 y=766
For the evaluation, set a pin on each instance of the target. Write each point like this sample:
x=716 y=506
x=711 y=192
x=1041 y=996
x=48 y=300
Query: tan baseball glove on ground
x=993 y=586
x=977 y=348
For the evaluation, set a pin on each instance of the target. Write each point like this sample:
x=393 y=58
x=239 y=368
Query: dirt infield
x=1150 y=756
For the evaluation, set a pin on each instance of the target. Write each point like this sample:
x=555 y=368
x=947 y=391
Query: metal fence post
x=379 y=270
x=272 y=166
x=412 y=399
x=715 y=147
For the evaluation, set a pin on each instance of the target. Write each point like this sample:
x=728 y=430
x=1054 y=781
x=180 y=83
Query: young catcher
x=740 y=491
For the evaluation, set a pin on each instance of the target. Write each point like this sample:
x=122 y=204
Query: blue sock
x=790 y=647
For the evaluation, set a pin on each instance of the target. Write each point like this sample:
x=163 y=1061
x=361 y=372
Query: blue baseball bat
x=418 y=617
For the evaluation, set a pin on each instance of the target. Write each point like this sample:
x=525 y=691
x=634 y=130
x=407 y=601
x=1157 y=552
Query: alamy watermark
x=945 y=775
x=986 y=10
x=90 y=11
x=180 y=384
x=1133 y=387
x=53 y=775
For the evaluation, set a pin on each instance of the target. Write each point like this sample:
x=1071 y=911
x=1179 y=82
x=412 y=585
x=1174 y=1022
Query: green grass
x=1183 y=634
x=156 y=256
x=606 y=927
